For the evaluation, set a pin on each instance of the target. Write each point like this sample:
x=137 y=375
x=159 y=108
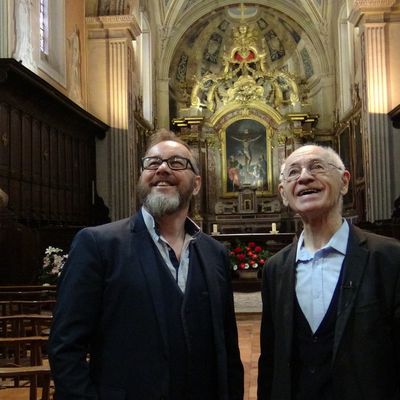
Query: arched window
x=52 y=39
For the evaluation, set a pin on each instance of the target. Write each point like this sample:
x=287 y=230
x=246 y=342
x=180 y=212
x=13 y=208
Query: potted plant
x=247 y=258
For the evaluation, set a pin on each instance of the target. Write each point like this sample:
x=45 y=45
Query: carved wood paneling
x=47 y=150
x=47 y=167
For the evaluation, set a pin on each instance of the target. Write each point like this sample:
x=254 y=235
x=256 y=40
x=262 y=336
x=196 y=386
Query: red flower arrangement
x=247 y=256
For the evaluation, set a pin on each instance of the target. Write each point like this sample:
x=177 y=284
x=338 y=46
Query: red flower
x=247 y=256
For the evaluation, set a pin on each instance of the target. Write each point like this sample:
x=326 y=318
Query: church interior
x=83 y=84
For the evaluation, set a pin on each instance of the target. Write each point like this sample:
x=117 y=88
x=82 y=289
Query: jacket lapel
x=286 y=295
x=354 y=265
x=144 y=251
x=201 y=248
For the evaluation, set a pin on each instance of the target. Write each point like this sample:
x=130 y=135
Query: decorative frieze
x=374 y=3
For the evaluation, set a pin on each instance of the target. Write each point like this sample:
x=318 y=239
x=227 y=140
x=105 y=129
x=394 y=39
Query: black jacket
x=110 y=305
x=366 y=352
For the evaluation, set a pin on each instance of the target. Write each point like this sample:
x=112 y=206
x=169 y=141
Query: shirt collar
x=338 y=242
x=191 y=227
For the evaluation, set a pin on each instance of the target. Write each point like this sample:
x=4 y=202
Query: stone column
x=373 y=18
x=111 y=94
x=377 y=124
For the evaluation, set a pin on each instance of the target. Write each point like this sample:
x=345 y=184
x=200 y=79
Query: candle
x=215 y=228
x=274 y=228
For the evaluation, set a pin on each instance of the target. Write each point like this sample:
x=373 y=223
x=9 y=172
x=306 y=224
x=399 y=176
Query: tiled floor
x=249 y=334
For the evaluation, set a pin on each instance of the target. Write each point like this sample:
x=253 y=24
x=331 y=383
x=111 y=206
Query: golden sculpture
x=245 y=77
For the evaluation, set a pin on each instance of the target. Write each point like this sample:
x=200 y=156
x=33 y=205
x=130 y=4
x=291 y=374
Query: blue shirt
x=180 y=274
x=317 y=275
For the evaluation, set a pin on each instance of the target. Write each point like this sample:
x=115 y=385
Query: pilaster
x=375 y=20
x=376 y=80
x=111 y=93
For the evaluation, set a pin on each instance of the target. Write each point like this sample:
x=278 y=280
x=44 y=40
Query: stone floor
x=247 y=302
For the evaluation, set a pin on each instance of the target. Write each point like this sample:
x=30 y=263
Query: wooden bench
x=22 y=325
x=11 y=307
x=32 y=373
x=27 y=347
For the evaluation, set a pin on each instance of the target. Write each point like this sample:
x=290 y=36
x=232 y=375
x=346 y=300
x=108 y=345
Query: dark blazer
x=366 y=351
x=110 y=306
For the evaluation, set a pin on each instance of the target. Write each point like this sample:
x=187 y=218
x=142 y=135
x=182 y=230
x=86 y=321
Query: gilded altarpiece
x=248 y=114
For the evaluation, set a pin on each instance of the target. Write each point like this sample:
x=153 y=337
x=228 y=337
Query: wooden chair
x=32 y=373
x=32 y=346
x=12 y=307
x=44 y=294
x=22 y=363
x=18 y=325
x=25 y=318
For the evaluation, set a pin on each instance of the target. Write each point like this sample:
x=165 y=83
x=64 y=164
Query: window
x=44 y=27
x=52 y=39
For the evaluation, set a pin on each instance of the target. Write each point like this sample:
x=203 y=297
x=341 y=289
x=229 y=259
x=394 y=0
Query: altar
x=253 y=248
x=274 y=241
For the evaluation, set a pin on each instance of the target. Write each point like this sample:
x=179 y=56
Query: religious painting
x=246 y=157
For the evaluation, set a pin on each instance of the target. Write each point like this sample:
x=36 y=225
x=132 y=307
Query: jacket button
x=315 y=339
x=312 y=370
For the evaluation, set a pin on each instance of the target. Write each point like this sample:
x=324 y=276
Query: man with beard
x=145 y=305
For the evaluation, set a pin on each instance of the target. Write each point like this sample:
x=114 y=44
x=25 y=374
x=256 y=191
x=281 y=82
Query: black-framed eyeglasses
x=314 y=168
x=175 y=163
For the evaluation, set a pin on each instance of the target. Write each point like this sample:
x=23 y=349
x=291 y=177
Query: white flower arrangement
x=53 y=263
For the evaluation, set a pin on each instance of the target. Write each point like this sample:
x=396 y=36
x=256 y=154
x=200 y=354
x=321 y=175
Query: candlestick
x=214 y=228
x=273 y=228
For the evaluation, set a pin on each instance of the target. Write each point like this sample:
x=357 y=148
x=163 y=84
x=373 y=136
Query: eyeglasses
x=314 y=168
x=175 y=163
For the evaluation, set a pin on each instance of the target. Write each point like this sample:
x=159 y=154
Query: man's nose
x=308 y=174
x=163 y=166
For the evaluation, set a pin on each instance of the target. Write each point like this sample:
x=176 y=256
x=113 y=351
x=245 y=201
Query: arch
x=187 y=19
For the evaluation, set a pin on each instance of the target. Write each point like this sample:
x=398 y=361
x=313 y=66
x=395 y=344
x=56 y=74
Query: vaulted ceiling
x=192 y=35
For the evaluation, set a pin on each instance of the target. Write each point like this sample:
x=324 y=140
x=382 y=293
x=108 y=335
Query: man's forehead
x=306 y=153
x=168 y=147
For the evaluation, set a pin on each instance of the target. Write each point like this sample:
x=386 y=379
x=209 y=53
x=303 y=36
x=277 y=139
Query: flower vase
x=248 y=274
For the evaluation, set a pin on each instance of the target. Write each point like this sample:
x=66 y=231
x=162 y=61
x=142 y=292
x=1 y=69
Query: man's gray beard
x=158 y=205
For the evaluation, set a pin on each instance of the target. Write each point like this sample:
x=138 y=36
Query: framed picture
x=246 y=157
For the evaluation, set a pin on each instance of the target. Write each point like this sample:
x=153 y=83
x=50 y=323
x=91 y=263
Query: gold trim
x=272 y=114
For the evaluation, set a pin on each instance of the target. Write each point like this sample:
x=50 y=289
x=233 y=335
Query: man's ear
x=345 y=182
x=196 y=184
x=283 y=195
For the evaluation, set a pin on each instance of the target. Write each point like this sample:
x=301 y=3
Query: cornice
x=375 y=11
x=374 y=4
x=114 y=23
